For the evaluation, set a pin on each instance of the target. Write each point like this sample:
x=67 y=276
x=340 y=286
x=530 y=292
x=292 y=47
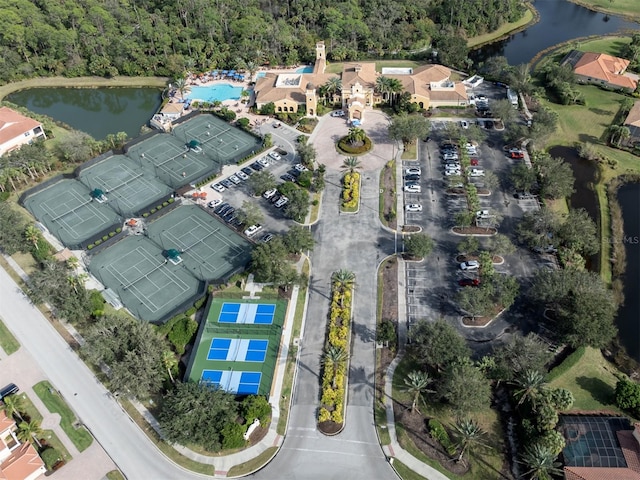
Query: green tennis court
x=240 y=357
x=148 y=284
x=170 y=160
x=68 y=210
x=208 y=248
x=128 y=187
x=223 y=143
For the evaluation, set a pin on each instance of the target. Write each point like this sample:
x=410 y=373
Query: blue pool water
x=307 y=69
x=211 y=93
x=261 y=74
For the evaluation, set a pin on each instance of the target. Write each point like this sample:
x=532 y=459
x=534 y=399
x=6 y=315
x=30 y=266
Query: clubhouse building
x=429 y=86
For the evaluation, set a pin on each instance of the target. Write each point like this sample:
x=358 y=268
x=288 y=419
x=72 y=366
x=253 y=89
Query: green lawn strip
x=315 y=207
x=380 y=64
x=252 y=465
x=80 y=436
x=410 y=151
x=592 y=380
x=83 y=82
x=8 y=342
x=405 y=472
x=115 y=475
x=625 y=8
x=503 y=30
x=381 y=424
x=53 y=441
x=164 y=447
x=29 y=409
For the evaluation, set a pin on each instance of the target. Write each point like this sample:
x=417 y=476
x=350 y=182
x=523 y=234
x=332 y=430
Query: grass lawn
x=628 y=8
x=115 y=475
x=592 y=381
x=252 y=465
x=410 y=151
x=405 y=472
x=53 y=441
x=30 y=409
x=610 y=44
x=502 y=31
x=337 y=67
x=485 y=463
x=8 y=342
x=80 y=437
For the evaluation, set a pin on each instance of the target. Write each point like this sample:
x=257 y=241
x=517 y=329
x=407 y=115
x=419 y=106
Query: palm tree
x=417 y=383
x=356 y=135
x=521 y=78
x=351 y=164
x=529 y=384
x=332 y=87
x=72 y=263
x=181 y=85
x=74 y=282
x=32 y=235
x=395 y=88
x=29 y=432
x=343 y=279
x=252 y=68
x=383 y=87
x=541 y=462
x=469 y=435
x=13 y=405
x=335 y=359
x=624 y=134
x=170 y=362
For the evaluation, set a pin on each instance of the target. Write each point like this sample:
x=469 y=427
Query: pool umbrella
x=193 y=144
x=224 y=72
x=97 y=193
x=173 y=255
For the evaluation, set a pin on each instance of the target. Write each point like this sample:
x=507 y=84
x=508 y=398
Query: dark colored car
x=275 y=198
x=256 y=166
x=288 y=178
x=412 y=177
x=221 y=207
x=294 y=173
x=488 y=124
x=227 y=183
x=469 y=282
x=247 y=171
x=7 y=390
x=267 y=237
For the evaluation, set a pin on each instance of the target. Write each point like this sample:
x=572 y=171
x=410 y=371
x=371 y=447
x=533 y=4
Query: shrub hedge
x=350 y=191
x=346 y=147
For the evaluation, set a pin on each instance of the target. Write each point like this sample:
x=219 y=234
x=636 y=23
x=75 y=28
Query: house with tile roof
x=632 y=122
x=17 y=130
x=18 y=461
x=429 y=86
x=600 y=448
x=601 y=69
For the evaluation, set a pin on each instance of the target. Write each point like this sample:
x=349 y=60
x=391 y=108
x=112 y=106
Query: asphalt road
x=127 y=445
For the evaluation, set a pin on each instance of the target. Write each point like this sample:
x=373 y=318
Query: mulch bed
x=482 y=321
x=389 y=197
x=389 y=312
x=329 y=427
x=475 y=230
x=410 y=228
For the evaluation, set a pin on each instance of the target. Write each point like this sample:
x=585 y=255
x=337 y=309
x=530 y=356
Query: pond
x=96 y=111
x=628 y=317
x=560 y=21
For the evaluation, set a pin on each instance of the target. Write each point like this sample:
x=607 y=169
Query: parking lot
x=433 y=284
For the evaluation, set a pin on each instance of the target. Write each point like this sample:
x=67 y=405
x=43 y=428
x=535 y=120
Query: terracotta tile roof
x=362 y=73
x=633 y=119
x=23 y=462
x=604 y=67
x=13 y=124
x=598 y=473
x=630 y=449
x=267 y=90
x=5 y=422
x=172 y=108
x=459 y=92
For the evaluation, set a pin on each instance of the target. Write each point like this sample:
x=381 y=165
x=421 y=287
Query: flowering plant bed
x=350 y=192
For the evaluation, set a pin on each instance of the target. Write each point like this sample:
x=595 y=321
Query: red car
x=469 y=282
x=474 y=162
x=516 y=153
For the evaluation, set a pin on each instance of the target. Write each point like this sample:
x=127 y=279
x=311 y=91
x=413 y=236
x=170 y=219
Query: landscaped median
x=336 y=354
x=350 y=192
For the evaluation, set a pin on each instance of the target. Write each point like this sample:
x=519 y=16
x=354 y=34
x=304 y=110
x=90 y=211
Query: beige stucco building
x=429 y=86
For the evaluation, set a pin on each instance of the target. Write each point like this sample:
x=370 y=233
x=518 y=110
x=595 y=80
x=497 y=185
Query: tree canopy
x=437 y=344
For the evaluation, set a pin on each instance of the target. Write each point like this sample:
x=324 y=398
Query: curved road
x=354 y=242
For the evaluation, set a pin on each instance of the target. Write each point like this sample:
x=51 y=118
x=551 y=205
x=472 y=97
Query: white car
x=264 y=161
x=275 y=155
x=282 y=201
x=452 y=166
x=470 y=265
x=472 y=151
x=413 y=207
x=413 y=171
x=452 y=173
x=269 y=193
x=235 y=179
x=301 y=168
x=214 y=203
x=464 y=124
x=242 y=176
x=450 y=156
x=483 y=214
x=412 y=188
x=338 y=113
x=252 y=230
x=475 y=172
x=218 y=187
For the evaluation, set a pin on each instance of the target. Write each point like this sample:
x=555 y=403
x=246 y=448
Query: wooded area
x=157 y=37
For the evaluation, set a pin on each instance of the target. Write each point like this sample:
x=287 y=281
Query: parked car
x=470 y=265
x=476 y=172
x=412 y=178
x=275 y=155
x=294 y=173
x=257 y=166
x=464 y=124
x=483 y=214
x=247 y=171
x=548 y=249
x=264 y=161
x=338 y=113
x=301 y=168
x=235 y=179
x=488 y=124
x=288 y=178
x=267 y=237
x=412 y=188
x=469 y=282
x=218 y=187
x=269 y=193
x=517 y=154
x=214 y=203
x=10 y=389
x=276 y=197
x=227 y=183
x=452 y=173
x=524 y=195
x=413 y=207
x=242 y=176
x=220 y=207
x=474 y=162
x=413 y=171
x=450 y=156
x=252 y=230
x=282 y=201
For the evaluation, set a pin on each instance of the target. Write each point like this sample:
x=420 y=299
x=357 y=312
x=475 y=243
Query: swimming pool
x=307 y=69
x=211 y=93
x=261 y=74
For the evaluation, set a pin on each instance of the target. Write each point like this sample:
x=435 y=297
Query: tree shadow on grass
x=599 y=390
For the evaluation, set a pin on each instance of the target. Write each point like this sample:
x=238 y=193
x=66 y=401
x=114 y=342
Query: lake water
x=560 y=21
x=97 y=111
